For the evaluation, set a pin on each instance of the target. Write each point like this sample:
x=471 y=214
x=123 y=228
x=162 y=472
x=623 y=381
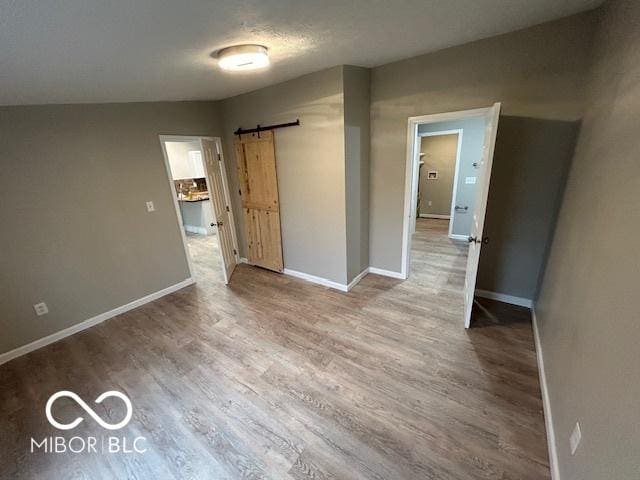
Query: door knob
x=484 y=240
x=212 y=224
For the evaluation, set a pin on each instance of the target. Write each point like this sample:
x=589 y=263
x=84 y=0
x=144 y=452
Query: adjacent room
x=194 y=204
x=265 y=240
x=200 y=192
x=449 y=166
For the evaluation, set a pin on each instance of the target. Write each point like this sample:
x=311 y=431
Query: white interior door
x=476 y=238
x=221 y=208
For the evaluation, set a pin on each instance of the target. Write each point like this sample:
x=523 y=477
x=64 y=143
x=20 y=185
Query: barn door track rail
x=260 y=128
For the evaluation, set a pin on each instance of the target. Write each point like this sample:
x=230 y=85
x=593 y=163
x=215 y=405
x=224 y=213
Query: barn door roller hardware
x=259 y=128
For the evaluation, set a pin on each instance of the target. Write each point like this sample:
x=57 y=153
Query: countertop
x=198 y=199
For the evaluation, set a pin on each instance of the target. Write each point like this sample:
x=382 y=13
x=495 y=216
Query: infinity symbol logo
x=89 y=410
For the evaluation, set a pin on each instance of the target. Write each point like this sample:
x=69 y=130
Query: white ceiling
x=70 y=51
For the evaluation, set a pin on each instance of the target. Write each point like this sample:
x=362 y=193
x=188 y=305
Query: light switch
x=470 y=180
x=150 y=207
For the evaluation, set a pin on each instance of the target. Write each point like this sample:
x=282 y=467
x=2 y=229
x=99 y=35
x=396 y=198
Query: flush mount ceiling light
x=243 y=57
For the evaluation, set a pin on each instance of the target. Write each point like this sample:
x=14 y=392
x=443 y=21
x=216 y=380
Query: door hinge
x=219 y=157
x=227 y=207
x=239 y=192
x=235 y=252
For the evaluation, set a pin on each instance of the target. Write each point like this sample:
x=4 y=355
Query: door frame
x=452 y=211
x=225 y=181
x=410 y=187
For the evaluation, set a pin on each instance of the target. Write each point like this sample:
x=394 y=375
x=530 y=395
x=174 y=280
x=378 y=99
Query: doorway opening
x=449 y=160
x=199 y=187
x=439 y=160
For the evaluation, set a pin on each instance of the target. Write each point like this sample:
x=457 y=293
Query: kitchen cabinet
x=195 y=166
x=197 y=216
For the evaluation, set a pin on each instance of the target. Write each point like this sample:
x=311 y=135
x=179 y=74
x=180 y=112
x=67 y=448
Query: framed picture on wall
x=432 y=175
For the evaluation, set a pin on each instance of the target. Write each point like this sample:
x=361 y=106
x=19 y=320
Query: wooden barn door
x=256 y=160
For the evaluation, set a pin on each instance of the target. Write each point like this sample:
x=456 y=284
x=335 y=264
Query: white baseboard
x=502 y=297
x=357 y=279
x=546 y=402
x=330 y=283
x=433 y=215
x=314 y=279
x=386 y=273
x=243 y=260
x=78 y=327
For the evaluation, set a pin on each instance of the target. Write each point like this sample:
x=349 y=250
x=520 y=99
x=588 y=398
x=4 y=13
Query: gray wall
x=530 y=166
x=310 y=163
x=471 y=151
x=75 y=230
x=587 y=316
x=538 y=86
x=440 y=153
x=356 y=143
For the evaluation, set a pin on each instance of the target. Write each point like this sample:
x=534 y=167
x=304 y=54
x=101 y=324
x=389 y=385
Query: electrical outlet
x=574 y=440
x=430 y=203
x=41 y=308
x=150 y=207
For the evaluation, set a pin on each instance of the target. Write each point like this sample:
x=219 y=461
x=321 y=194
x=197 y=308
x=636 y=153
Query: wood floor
x=274 y=377
x=205 y=258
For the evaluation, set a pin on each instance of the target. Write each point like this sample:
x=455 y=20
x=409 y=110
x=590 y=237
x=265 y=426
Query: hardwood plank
x=273 y=377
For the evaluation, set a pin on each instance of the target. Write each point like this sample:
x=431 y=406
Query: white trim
x=439 y=132
x=546 y=402
x=456 y=178
x=449 y=116
x=357 y=279
x=412 y=135
x=386 y=273
x=503 y=297
x=78 y=327
x=172 y=191
x=314 y=279
x=459 y=238
x=434 y=215
x=320 y=280
x=326 y=282
x=185 y=138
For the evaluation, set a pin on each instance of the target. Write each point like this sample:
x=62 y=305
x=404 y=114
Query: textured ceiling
x=71 y=51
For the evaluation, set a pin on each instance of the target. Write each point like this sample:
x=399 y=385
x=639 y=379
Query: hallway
x=205 y=258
